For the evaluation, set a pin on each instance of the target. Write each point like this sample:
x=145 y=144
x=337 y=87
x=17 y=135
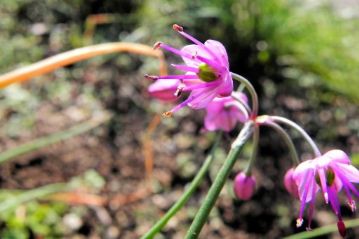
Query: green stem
x=52 y=138
x=188 y=193
x=287 y=140
x=32 y=194
x=251 y=91
x=218 y=183
x=253 y=158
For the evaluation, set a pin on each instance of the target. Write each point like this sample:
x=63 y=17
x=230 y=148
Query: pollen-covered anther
x=299 y=222
x=157 y=45
x=150 y=77
x=177 y=28
x=167 y=114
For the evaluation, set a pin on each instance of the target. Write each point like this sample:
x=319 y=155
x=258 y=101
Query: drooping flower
x=244 y=186
x=223 y=113
x=206 y=72
x=290 y=184
x=329 y=174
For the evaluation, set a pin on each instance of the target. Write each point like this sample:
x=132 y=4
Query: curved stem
x=287 y=140
x=242 y=103
x=253 y=158
x=300 y=130
x=218 y=183
x=185 y=196
x=251 y=91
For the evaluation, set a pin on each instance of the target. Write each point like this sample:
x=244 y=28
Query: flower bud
x=244 y=186
x=289 y=183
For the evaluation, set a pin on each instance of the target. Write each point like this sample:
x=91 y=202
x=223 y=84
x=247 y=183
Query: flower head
x=329 y=174
x=244 y=186
x=224 y=112
x=206 y=71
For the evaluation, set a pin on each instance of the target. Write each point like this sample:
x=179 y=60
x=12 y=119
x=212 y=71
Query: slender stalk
x=251 y=91
x=32 y=194
x=253 y=158
x=52 y=138
x=287 y=140
x=300 y=130
x=188 y=193
x=218 y=183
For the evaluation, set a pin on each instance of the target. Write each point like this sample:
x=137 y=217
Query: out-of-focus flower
x=328 y=173
x=244 y=186
x=206 y=72
x=225 y=112
x=289 y=183
x=164 y=89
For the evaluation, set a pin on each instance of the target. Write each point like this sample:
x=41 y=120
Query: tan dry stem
x=52 y=63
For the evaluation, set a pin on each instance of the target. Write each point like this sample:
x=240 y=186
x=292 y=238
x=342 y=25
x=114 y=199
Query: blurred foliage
x=38 y=219
x=25 y=220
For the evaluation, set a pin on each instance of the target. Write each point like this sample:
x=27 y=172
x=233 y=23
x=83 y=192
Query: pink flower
x=164 y=89
x=328 y=173
x=206 y=72
x=244 y=186
x=289 y=183
x=224 y=113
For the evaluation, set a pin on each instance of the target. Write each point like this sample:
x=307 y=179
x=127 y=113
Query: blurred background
x=105 y=131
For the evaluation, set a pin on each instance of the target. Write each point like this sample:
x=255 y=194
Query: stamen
x=157 y=45
x=299 y=222
x=185 y=68
x=213 y=64
x=173 y=77
x=167 y=114
x=175 y=51
x=150 y=77
x=177 y=28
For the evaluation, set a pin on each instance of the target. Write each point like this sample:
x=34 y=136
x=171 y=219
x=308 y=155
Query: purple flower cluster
x=207 y=79
x=208 y=82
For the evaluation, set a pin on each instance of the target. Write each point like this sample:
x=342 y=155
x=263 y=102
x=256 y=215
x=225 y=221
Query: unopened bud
x=244 y=186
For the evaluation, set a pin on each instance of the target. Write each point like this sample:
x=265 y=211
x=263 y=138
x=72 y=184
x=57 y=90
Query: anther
x=157 y=45
x=299 y=222
x=167 y=114
x=177 y=28
x=149 y=77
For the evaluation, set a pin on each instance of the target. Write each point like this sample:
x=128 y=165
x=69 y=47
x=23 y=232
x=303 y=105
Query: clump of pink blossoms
x=329 y=174
x=206 y=73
